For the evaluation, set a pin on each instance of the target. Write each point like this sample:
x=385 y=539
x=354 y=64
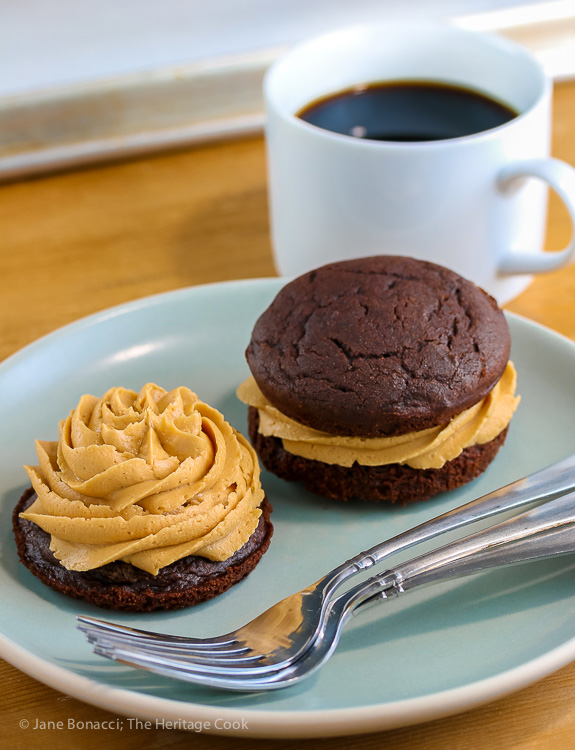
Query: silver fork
x=542 y=532
x=286 y=630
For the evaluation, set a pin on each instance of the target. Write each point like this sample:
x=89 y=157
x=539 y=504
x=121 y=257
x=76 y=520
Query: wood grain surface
x=76 y=243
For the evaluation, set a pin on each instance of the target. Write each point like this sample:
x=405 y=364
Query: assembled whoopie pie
x=384 y=378
x=148 y=500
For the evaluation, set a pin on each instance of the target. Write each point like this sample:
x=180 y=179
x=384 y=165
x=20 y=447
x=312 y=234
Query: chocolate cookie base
x=119 y=585
x=394 y=483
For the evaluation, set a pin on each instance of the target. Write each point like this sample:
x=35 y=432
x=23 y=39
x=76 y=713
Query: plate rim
x=157 y=298
x=123 y=308
x=272 y=723
x=276 y=724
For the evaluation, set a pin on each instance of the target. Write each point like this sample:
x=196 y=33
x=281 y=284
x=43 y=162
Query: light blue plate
x=425 y=655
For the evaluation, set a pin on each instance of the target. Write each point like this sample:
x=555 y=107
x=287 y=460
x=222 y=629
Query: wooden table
x=77 y=243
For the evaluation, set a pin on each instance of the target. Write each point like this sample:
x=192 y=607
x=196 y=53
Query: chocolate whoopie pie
x=385 y=378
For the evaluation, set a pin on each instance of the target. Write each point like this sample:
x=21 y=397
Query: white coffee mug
x=468 y=203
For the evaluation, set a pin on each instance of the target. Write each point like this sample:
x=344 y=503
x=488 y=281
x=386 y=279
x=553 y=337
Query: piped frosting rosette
x=147 y=478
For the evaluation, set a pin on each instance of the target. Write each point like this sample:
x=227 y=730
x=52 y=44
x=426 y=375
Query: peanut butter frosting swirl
x=147 y=478
x=426 y=449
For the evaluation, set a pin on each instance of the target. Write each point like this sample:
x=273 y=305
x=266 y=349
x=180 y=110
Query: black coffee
x=407 y=111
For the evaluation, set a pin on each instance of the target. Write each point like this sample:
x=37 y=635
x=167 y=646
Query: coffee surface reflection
x=407 y=111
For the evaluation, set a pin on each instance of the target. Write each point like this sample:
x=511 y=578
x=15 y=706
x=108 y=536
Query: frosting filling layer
x=427 y=449
x=147 y=478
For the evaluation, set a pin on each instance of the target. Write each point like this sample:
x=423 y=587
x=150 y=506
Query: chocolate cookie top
x=378 y=346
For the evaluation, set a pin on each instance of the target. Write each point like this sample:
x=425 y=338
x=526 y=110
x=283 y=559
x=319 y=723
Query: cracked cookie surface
x=378 y=346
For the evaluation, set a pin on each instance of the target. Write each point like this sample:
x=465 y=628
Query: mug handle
x=559 y=176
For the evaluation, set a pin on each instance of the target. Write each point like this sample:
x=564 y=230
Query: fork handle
x=541 y=532
x=542 y=485
x=560 y=541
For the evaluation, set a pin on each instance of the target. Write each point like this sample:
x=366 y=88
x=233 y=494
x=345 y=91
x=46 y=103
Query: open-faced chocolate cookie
x=147 y=500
